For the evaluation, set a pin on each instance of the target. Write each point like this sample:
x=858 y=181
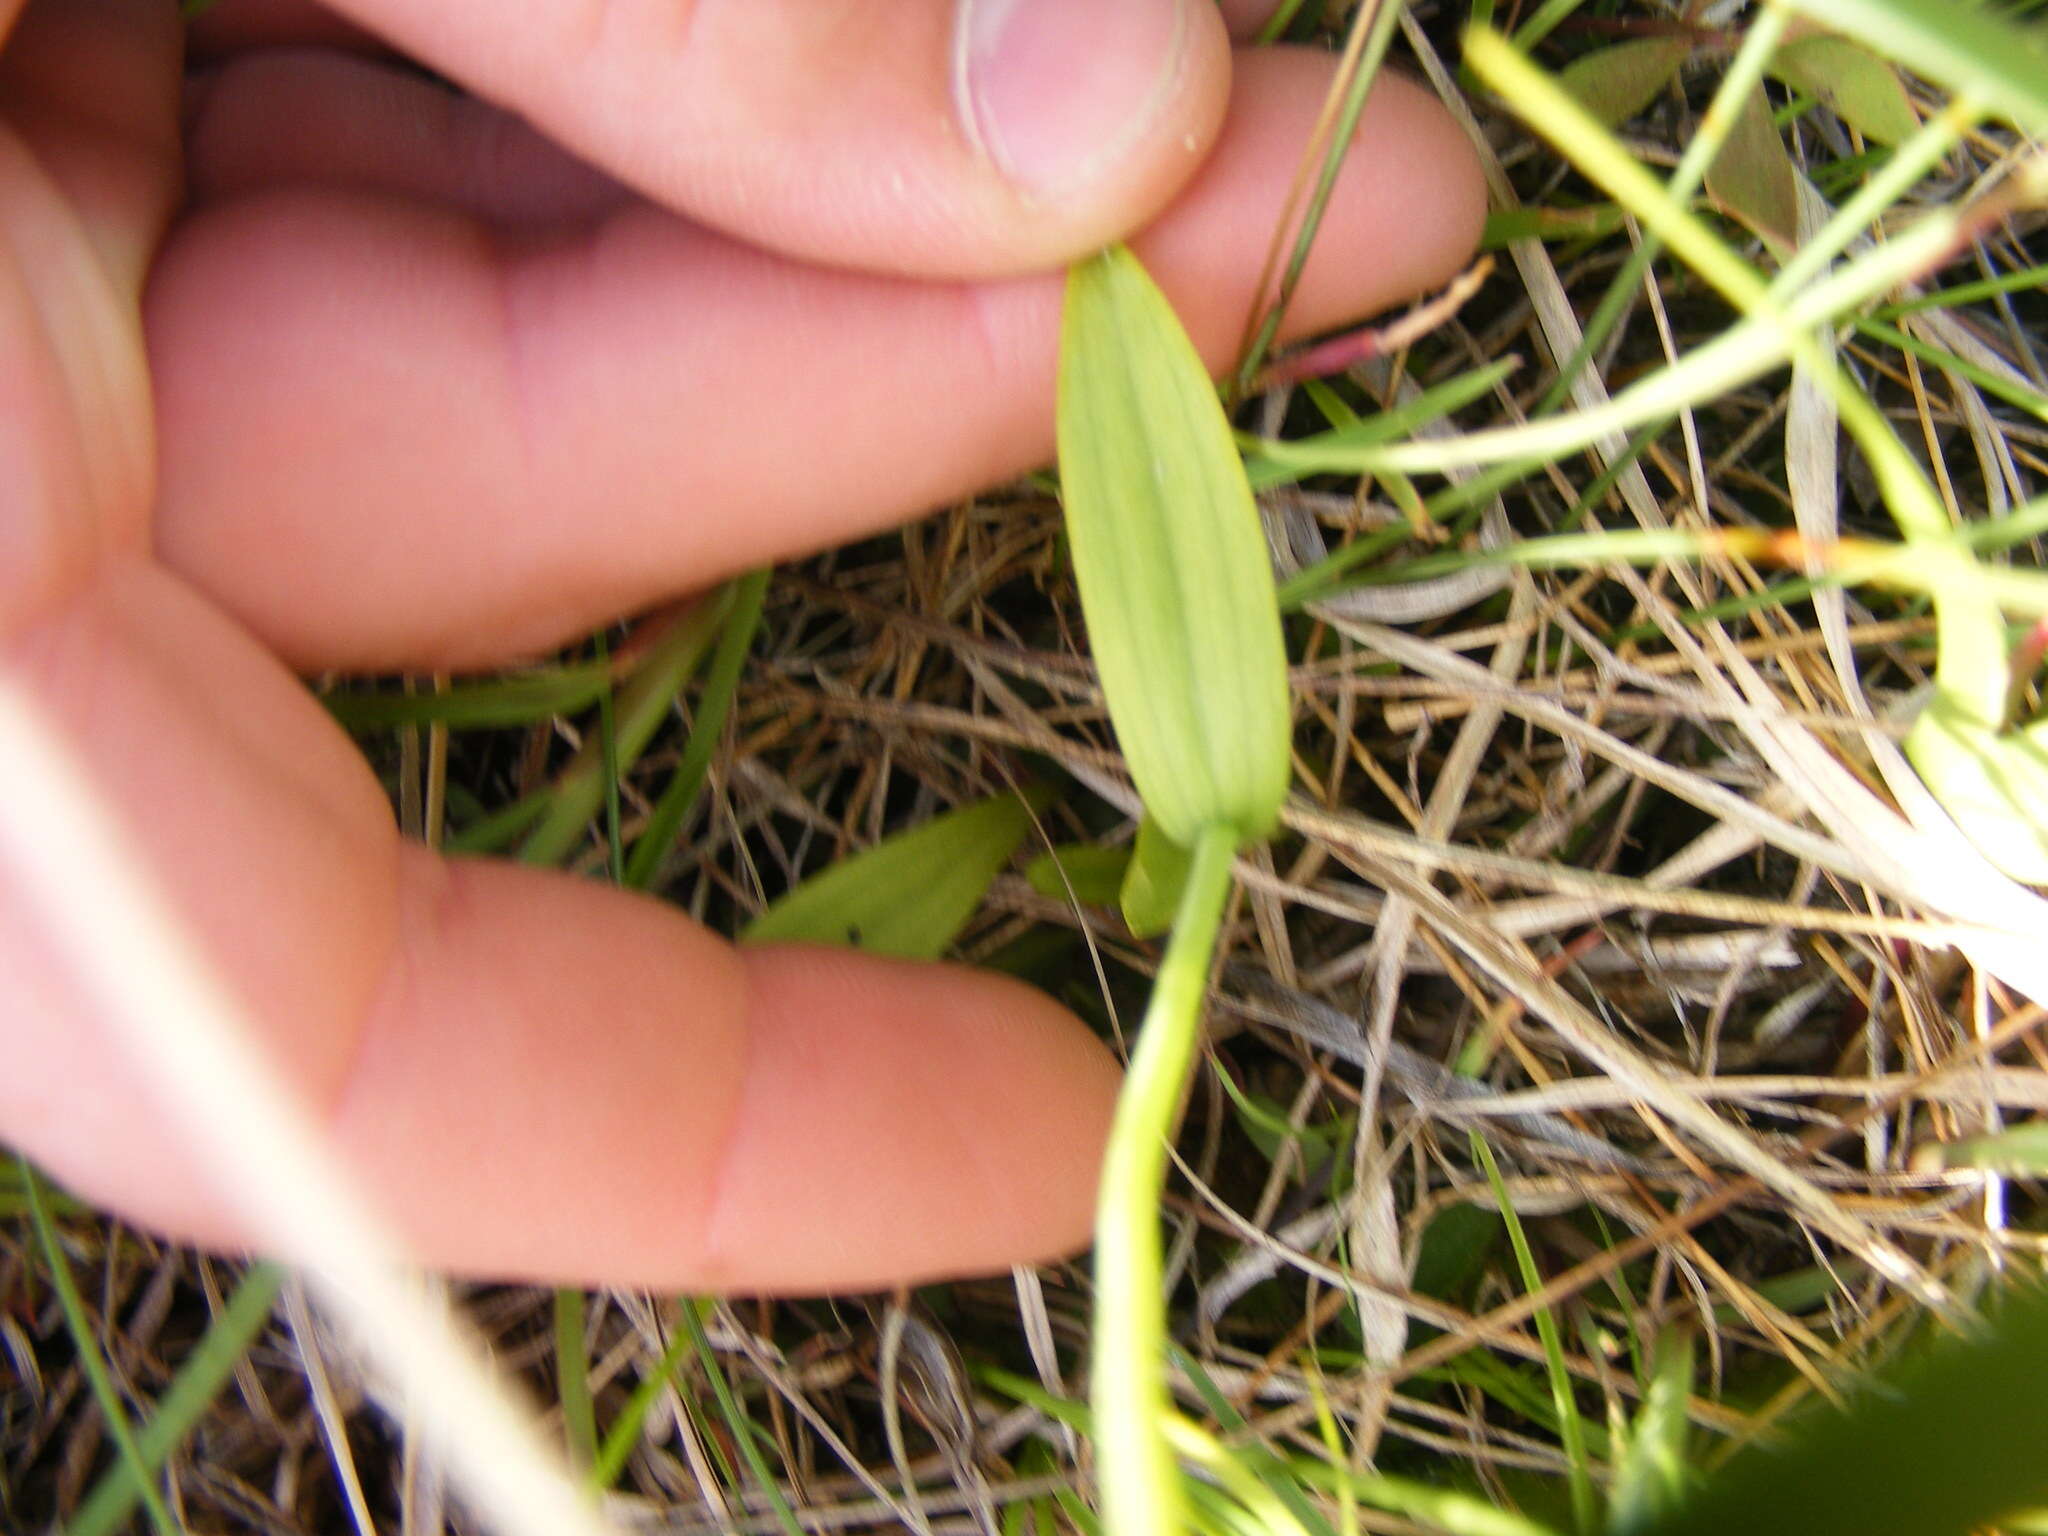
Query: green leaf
x=1753 y=178
x=1650 y=1476
x=1960 y=43
x=2020 y=1153
x=1862 y=89
x=910 y=894
x=1079 y=872
x=1153 y=882
x=1172 y=565
x=1946 y=1445
x=1993 y=782
x=1616 y=83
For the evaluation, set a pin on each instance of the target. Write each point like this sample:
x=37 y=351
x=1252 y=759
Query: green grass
x=1590 y=1361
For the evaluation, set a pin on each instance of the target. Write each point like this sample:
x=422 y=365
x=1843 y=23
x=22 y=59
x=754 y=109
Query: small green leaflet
x=910 y=894
x=1175 y=579
x=1153 y=883
x=1616 y=83
x=1079 y=872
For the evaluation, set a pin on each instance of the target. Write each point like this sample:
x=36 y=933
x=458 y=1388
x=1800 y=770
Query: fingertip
x=1405 y=214
x=953 y=1123
x=1093 y=116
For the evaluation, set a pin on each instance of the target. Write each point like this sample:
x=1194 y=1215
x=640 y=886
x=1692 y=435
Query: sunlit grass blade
x=1175 y=580
x=910 y=894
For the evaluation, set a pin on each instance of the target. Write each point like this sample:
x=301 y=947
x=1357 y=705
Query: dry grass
x=1569 y=864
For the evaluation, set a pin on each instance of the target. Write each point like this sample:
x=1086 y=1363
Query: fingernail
x=1055 y=92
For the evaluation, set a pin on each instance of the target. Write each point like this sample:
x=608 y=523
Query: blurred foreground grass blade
x=1961 y=44
x=1945 y=1446
x=1175 y=580
x=910 y=894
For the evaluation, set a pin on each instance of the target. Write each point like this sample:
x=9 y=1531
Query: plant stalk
x=1140 y=1492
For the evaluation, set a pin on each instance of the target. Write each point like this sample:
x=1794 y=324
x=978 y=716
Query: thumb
x=947 y=138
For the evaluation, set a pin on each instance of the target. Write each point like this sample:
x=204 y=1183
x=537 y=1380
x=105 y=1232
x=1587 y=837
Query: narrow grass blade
x=909 y=895
x=1174 y=575
x=1372 y=29
x=691 y=1314
x=626 y=1429
x=91 y=1360
x=642 y=705
x=1571 y=1427
x=111 y=1504
x=721 y=681
x=572 y=1376
x=503 y=701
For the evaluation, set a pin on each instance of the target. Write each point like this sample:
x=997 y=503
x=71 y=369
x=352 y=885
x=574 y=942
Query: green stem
x=1140 y=1485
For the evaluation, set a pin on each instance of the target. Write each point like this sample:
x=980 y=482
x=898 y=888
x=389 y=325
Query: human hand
x=399 y=383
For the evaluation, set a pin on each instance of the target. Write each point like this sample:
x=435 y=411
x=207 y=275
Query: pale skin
x=312 y=364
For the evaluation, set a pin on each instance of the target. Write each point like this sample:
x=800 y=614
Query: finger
x=88 y=144
x=375 y=128
x=502 y=441
x=922 y=136
x=1245 y=17
x=229 y=27
x=91 y=86
x=534 y=1076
